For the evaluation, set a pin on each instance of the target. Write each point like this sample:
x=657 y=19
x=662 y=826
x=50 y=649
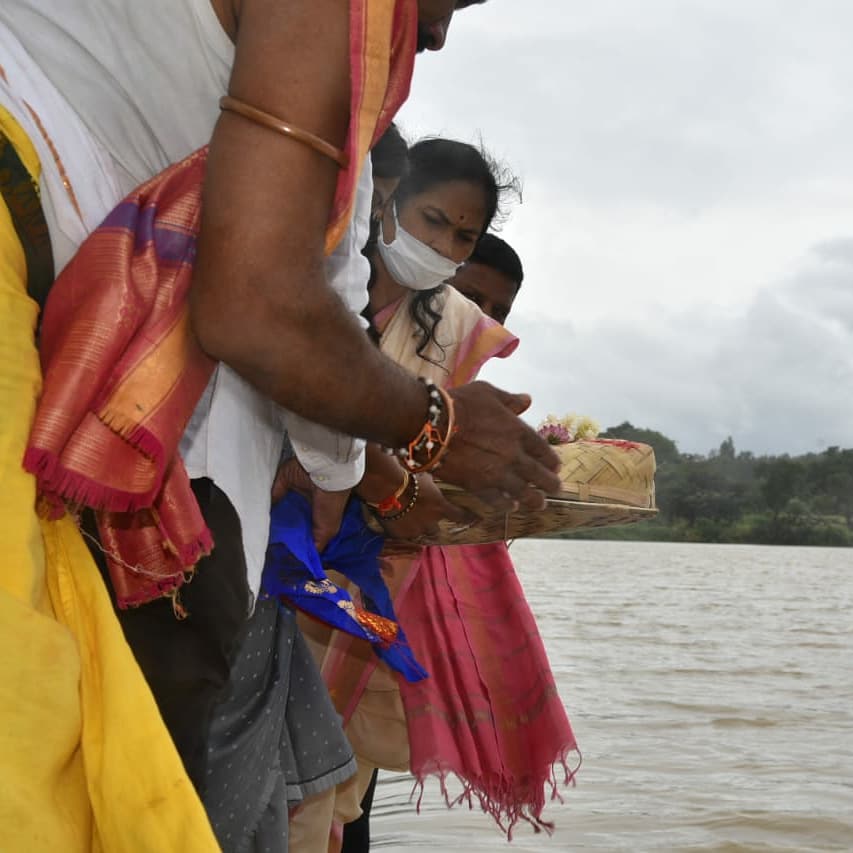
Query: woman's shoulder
x=459 y=307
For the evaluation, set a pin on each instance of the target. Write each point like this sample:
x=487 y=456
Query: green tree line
x=728 y=496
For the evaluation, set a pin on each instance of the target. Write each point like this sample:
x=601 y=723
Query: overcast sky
x=687 y=220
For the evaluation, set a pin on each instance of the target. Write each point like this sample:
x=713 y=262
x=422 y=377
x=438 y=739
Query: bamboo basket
x=604 y=483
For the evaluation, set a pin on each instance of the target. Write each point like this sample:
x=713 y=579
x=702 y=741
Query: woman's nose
x=443 y=244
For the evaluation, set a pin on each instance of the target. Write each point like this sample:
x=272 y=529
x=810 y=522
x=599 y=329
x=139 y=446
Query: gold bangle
x=409 y=506
x=235 y=105
x=393 y=500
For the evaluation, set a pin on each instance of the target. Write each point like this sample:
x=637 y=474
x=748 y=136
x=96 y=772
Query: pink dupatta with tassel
x=489 y=714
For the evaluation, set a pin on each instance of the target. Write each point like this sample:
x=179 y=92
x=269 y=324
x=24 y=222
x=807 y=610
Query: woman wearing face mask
x=508 y=734
x=448 y=195
x=441 y=207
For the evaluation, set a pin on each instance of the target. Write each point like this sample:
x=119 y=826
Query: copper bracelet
x=235 y=105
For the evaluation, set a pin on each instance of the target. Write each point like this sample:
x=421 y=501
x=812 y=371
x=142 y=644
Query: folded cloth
x=296 y=573
x=122 y=375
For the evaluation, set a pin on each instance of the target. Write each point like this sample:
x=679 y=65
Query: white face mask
x=412 y=263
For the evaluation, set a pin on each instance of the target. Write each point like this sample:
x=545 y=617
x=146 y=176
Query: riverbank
x=752 y=529
x=736 y=497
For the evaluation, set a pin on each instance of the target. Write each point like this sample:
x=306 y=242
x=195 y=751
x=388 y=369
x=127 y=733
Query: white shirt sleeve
x=335 y=461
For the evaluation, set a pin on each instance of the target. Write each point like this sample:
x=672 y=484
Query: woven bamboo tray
x=604 y=483
x=558 y=516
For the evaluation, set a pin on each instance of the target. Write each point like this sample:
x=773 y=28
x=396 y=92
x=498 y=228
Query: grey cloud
x=678 y=156
x=776 y=376
x=686 y=103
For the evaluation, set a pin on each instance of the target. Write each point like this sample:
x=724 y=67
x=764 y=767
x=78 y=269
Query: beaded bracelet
x=429 y=438
x=434 y=461
x=392 y=502
x=409 y=506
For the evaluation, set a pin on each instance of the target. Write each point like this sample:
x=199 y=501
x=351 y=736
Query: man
x=492 y=277
x=115 y=92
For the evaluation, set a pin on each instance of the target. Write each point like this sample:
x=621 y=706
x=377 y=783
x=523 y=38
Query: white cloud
x=776 y=375
x=680 y=159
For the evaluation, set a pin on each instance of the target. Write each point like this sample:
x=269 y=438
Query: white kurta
x=142 y=111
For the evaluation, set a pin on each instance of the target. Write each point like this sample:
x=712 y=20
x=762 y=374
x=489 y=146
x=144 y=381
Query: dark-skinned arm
x=260 y=301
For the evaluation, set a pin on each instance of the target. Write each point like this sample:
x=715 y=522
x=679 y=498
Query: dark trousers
x=357 y=833
x=187 y=662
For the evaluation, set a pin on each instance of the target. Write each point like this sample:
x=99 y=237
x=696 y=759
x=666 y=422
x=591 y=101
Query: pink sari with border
x=489 y=714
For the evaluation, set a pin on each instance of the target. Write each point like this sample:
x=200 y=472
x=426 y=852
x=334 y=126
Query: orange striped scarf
x=122 y=372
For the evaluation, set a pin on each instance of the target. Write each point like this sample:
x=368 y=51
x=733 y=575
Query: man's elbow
x=244 y=322
x=215 y=325
x=238 y=326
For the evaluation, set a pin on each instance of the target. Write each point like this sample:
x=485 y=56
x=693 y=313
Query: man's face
x=434 y=18
x=491 y=290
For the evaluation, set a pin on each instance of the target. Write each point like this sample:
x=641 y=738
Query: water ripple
x=711 y=691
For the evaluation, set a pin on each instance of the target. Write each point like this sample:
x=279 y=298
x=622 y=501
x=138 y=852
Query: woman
x=452 y=602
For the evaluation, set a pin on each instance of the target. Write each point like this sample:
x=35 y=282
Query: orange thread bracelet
x=433 y=438
x=392 y=502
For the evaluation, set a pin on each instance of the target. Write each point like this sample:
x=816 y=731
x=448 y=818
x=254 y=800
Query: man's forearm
x=304 y=350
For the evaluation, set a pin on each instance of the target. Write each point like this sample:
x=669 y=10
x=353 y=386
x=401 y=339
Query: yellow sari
x=87 y=764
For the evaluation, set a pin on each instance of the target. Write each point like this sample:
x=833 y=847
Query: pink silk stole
x=122 y=372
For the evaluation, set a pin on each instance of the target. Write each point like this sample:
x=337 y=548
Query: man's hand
x=326 y=515
x=327 y=508
x=494 y=454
